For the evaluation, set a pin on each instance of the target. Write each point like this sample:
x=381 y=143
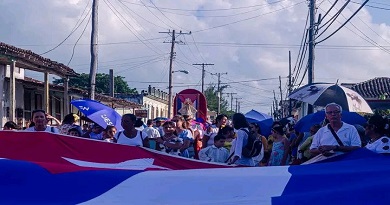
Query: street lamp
x=170 y=90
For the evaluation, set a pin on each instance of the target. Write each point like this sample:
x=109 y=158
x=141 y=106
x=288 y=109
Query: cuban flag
x=46 y=168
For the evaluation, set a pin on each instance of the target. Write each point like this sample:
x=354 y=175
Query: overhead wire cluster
x=161 y=18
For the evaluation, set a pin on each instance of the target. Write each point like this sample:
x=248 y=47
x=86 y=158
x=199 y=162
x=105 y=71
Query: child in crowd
x=216 y=152
x=74 y=132
x=229 y=134
x=95 y=133
x=280 y=148
x=169 y=142
x=11 y=126
x=109 y=134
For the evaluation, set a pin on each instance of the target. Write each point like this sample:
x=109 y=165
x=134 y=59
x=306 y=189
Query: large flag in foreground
x=44 y=168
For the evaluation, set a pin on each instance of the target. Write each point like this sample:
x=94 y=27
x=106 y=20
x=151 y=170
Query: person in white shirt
x=216 y=152
x=324 y=142
x=150 y=131
x=39 y=118
x=130 y=135
x=159 y=127
x=376 y=130
x=240 y=124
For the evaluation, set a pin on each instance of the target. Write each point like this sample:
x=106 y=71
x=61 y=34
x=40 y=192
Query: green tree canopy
x=211 y=94
x=102 y=82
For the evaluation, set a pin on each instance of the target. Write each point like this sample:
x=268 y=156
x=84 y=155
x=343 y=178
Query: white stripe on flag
x=199 y=187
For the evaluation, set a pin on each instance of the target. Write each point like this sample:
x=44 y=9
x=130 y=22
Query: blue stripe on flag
x=362 y=177
x=27 y=183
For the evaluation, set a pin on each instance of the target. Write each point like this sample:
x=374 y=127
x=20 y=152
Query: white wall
x=19 y=72
x=156 y=105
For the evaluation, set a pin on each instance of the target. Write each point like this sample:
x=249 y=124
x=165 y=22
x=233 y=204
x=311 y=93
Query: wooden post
x=46 y=93
x=12 y=104
x=66 y=96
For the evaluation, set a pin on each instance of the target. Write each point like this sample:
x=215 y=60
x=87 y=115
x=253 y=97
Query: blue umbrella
x=263 y=120
x=98 y=112
x=304 y=124
x=160 y=119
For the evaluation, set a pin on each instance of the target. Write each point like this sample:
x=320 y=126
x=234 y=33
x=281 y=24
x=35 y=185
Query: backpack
x=253 y=146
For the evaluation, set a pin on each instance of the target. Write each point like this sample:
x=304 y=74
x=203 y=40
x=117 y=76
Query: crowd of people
x=223 y=140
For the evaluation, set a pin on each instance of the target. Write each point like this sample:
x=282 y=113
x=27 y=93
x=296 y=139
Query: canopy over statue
x=190 y=102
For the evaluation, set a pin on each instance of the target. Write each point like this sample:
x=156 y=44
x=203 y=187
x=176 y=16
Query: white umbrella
x=323 y=93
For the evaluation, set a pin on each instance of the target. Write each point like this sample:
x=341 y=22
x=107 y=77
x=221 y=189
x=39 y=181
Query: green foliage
x=383 y=112
x=211 y=95
x=102 y=82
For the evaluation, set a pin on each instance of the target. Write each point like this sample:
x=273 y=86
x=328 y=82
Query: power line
x=250 y=18
x=140 y=16
x=154 y=14
x=82 y=33
x=116 y=13
x=204 y=10
x=327 y=12
x=165 y=15
x=332 y=19
x=367 y=39
x=224 y=16
x=73 y=30
x=343 y=23
x=375 y=7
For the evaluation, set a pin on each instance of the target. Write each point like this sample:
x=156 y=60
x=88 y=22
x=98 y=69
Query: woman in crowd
x=280 y=147
x=256 y=129
x=212 y=131
x=376 y=130
x=10 y=125
x=183 y=133
x=68 y=123
x=240 y=123
x=169 y=142
x=304 y=149
x=130 y=135
x=39 y=119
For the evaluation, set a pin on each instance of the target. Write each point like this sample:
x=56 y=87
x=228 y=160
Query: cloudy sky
x=248 y=39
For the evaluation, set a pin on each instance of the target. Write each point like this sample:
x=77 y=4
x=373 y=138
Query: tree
x=211 y=95
x=102 y=81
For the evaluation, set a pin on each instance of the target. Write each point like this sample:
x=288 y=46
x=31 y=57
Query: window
x=38 y=101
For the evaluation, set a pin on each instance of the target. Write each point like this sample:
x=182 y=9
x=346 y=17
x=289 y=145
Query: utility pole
x=310 y=75
x=219 y=94
x=231 y=100
x=310 y=69
x=289 y=84
x=94 y=53
x=237 y=103
x=281 y=97
x=276 y=106
x=173 y=41
x=203 y=72
x=112 y=83
x=273 y=108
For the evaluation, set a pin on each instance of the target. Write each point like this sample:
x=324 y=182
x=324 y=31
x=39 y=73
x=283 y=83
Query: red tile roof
x=373 y=88
x=32 y=61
